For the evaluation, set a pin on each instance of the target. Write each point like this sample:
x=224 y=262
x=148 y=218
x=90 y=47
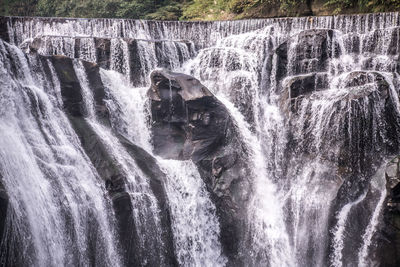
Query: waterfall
x=194 y=223
x=310 y=189
x=144 y=204
x=239 y=60
x=315 y=102
x=59 y=210
x=372 y=226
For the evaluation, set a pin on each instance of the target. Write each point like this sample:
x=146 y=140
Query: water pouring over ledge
x=314 y=102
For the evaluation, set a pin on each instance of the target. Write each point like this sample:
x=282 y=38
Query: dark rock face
x=4 y=29
x=359 y=126
x=297 y=87
x=70 y=87
x=305 y=52
x=3 y=208
x=388 y=240
x=365 y=101
x=11 y=238
x=190 y=123
x=359 y=84
x=106 y=164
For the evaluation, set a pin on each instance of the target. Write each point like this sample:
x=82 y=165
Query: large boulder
x=189 y=122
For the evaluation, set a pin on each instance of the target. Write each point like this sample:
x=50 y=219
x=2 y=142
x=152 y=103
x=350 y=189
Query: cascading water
x=59 y=210
x=310 y=189
x=196 y=240
x=237 y=59
x=315 y=101
x=145 y=208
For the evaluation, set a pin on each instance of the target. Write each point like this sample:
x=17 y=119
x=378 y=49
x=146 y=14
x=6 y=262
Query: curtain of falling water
x=239 y=59
x=60 y=213
x=293 y=207
x=194 y=223
x=290 y=210
x=144 y=204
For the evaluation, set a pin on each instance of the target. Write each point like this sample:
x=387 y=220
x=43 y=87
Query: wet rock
x=189 y=123
x=182 y=103
x=96 y=50
x=393 y=182
x=388 y=236
x=352 y=41
x=159 y=53
x=99 y=94
x=360 y=78
x=382 y=41
x=70 y=88
x=108 y=166
x=299 y=86
x=357 y=84
x=349 y=114
x=3 y=207
x=382 y=63
x=305 y=52
x=4 y=29
x=103 y=52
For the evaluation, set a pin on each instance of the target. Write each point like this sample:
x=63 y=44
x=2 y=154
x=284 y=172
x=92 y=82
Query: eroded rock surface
x=190 y=123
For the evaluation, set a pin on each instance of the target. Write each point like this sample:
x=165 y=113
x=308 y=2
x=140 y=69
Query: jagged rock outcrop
x=190 y=123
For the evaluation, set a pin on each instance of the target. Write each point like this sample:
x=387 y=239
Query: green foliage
x=18 y=7
x=172 y=11
x=363 y=5
x=95 y=8
x=339 y=5
x=182 y=9
x=135 y=9
x=238 y=6
x=154 y=9
x=198 y=8
x=383 y=5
